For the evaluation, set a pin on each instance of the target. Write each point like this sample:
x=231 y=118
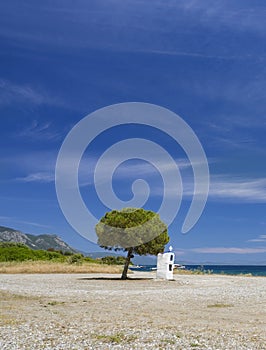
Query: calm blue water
x=254 y=270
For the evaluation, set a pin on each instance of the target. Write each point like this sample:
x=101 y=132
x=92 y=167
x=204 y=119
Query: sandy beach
x=97 y=311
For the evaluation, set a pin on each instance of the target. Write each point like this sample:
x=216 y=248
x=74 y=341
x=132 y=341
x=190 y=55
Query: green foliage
x=113 y=260
x=116 y=338
x=67 y=253
x=76 y=259
x=11 y=244
x=133 y=230
x=19 y=252
x=201 y=271
x=91 y=260
x=143 y=228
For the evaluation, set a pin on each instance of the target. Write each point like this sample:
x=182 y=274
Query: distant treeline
x=19 y=252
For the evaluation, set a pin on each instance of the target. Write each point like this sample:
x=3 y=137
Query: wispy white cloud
x=136 y=169
x=247 y=190
x=237 y=132
x=222 y=187
x=241 y=91
x=41 y=168
x=261 y=238
x=34 y=162
x=138 y=19
x=225 y=188
x=37 y=177
x=11 y=92
x=223 y=14
x=146 y=168
x=228 y=250
x=8 y=220
x=226 y=124
x=40 y=131
x=192 y=54
x=30 y=167
x=221 y=250
x=235 y=143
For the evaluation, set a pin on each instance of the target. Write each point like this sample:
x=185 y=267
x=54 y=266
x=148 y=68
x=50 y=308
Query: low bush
x=113 y=260
x=20 y=252
x=75 y=259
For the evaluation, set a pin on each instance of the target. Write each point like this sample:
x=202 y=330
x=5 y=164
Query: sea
x=253 y=270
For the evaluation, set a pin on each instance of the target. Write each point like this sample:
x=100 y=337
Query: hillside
x=44 y=241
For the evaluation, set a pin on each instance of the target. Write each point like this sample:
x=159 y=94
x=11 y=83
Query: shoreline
x=51 y=267
x=100 y=311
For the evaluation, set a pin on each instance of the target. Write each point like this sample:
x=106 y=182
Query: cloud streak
x=12 y=220
x=11 y=92
x=222 y=187
x=37 y=177
x=153 y=22
x=228 y=250
x=226 y=189
x=247 y=190
x=260 y=239
x=137 y=169
x=40 y=131
x=222 y=250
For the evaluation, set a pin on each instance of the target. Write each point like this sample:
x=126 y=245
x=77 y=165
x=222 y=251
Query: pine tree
x=135 y=231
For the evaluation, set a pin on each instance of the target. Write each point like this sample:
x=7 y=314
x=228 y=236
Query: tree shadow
x=115 y=279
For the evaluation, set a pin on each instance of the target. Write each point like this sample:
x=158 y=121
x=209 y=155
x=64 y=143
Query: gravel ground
x=85 y=311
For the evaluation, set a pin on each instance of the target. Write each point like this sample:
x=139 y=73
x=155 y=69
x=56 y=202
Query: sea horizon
x=224 y=269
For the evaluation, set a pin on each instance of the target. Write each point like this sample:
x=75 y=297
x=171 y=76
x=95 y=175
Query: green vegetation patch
x=113 y=260
x=220 y=305
x=116 y=338
x=20 y=252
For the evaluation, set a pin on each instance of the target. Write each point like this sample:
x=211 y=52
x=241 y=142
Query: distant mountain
x=44 y=241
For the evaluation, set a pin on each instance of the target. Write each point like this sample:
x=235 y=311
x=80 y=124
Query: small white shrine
x=165 y=264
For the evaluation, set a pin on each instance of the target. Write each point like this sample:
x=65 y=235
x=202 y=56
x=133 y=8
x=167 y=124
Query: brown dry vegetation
x=56 y=267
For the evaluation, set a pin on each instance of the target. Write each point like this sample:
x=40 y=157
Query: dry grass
x=10 y=304
x=190 y=272
x=55 y=267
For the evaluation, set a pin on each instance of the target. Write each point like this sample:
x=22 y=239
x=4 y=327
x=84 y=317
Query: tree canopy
x=133 y=230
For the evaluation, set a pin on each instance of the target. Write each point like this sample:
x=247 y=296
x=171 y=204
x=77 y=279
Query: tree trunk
x=124 y=274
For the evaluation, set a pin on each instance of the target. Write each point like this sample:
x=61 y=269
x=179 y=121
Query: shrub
x=20 y=252
x=113 y=260
x=75 y=259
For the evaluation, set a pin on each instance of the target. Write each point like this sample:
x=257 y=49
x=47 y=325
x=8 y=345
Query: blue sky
x=203 y=60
